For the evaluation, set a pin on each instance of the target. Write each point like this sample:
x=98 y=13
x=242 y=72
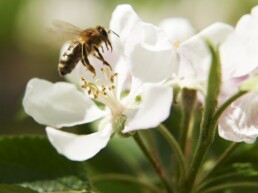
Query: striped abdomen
x=70 y=58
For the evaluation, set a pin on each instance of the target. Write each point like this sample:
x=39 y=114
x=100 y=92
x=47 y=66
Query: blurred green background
x=27 y=49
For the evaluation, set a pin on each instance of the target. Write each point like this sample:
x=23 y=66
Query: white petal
x=124 y=77
x=154 y=109
x=123 y=20
x=247 y=25
x=238 y=56
x=239 y=52
x=58 y=105
x=177 y=29
x=239 y=121
x=79 y=147
x=195 y=56
x=254 y=11
x=149 y=51
x=230 y=87
x=195 y=59
x=217 y=33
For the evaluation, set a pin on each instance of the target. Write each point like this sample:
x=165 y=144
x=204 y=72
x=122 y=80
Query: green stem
x=153 y=162
x=126 y=178
x=231 y=185
x=178 y=151
x=188 y=103
x=219 y=179
x=221 y=159
x=207 y=131
x=206 y=138
x=185 y=127
x=225 y=105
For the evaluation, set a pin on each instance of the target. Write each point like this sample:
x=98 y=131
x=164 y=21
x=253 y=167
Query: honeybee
x=83 y=43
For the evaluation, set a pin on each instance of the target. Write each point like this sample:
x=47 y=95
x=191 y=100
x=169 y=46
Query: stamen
x=177 y=44
x=112 y=78
x=104 y=92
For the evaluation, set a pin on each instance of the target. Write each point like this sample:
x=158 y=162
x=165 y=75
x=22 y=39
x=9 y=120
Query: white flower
x=239 y=62
x=239 y=121
x=239 y=52
x=177 y=29
x=145 y=54
x=194 y=56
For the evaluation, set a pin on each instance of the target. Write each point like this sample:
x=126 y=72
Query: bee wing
x=64 y=29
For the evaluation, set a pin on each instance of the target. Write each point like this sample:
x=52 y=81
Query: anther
x=177 y=44
x=112 y=78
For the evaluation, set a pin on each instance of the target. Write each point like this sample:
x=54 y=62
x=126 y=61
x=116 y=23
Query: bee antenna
x=113 y=33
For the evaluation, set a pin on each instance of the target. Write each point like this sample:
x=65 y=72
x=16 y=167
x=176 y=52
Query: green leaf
x=213 y=90
x=250 y=85
x=7 y=188
x=240 y=171
x=34 y=163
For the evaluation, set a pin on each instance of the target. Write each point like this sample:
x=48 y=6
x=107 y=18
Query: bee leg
x=100 y=57
x=85 y=60
x=108 y=44
x=102 y=48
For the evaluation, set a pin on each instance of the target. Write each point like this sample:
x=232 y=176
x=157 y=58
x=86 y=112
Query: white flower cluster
x=147 y=62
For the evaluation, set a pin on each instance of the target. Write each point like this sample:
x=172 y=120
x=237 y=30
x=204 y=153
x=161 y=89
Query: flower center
x=176 y=44
x=105 y=91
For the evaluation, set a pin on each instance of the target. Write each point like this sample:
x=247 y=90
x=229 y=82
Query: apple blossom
x=239 y=52
x=238 y=122
x=146 y=57
x=239 y=61
x=194 y=57
x=177 y=29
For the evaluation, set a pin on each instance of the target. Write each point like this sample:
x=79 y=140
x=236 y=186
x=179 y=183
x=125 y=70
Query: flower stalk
x=153 y=162
x=178 y=151
x=207 y=131
x=188 y=103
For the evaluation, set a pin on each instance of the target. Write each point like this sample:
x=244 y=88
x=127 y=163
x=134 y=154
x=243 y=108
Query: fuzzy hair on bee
x=82 y=44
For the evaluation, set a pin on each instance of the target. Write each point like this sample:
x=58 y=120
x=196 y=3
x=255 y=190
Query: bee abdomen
x=70 y=58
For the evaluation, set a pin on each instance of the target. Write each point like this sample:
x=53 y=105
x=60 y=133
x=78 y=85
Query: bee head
x=102 y=32
x=104 y=35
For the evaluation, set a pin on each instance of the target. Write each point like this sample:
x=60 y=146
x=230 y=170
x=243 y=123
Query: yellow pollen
x=112 y=78
x=100 y=89
x=176 y=44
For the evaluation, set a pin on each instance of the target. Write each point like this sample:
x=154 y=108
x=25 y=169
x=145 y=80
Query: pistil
x=105 y=92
